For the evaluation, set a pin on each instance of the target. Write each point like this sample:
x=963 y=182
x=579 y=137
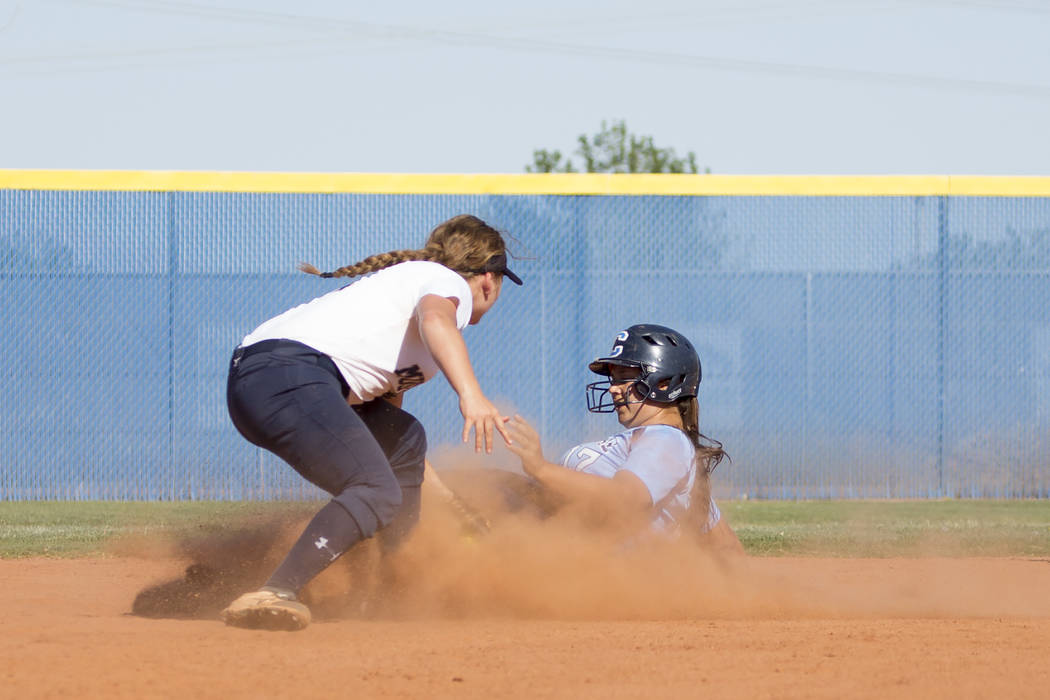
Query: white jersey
x=369 y=327
x=661 y=456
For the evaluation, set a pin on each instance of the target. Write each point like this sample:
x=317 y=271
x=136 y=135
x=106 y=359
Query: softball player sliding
x=321 y=385
x=656 y=473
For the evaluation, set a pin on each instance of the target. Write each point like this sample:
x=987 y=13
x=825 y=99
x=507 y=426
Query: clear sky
x=752 y=86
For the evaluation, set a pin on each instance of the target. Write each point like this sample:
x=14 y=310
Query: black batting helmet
x=663 y=355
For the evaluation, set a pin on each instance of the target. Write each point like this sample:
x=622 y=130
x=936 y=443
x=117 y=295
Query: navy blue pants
x=291 y=400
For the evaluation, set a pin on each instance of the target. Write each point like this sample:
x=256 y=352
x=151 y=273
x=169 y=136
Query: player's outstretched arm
x=472 y=521
x=436 y=316
x=624 y=494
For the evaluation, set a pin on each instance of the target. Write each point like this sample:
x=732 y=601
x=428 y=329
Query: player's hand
x=526 y=444
x=481 y=416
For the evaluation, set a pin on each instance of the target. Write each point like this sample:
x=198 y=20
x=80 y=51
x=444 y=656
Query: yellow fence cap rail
x=527 y=184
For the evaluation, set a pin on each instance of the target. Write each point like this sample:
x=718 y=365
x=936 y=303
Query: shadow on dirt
x=224 y=565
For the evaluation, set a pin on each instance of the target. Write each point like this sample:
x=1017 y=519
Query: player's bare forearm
x=437 y=327
x=436 y=317
x=624 y=493
x=473 y=521
x=621 y=494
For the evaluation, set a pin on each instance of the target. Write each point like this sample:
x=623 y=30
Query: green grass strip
x=85 y=528
x=767 y=528
x=893 y=528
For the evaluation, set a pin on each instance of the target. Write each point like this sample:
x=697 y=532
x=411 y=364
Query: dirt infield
x=795 y=628
x=536 y=608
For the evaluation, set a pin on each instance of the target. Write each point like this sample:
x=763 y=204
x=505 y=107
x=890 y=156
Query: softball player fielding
x=656 y=473
x=321 y=386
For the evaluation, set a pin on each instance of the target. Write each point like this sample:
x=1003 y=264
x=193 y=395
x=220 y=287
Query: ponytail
x=707 y=455
x=373 y=263
x=464 y=243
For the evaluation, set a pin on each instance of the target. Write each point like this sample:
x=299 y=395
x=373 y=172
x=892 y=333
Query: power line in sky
x=339 y=27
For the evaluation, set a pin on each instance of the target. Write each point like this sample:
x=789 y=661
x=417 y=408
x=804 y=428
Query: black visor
x=498 y=263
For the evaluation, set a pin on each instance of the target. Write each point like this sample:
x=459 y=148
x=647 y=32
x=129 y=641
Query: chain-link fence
x=851 y=346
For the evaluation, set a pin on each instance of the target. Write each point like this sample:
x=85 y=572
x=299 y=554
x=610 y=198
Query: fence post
x=942 y=311
x=172 y=266
x=807 y=396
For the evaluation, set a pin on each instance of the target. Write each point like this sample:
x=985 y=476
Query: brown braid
x=373 y=263
x=708 y=454
x=463 y=243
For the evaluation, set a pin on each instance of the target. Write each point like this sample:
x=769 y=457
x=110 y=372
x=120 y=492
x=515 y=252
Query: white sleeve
x=449 y=284
x=661 y=459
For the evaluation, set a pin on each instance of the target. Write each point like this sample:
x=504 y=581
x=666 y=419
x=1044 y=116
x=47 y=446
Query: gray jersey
x=661 y=456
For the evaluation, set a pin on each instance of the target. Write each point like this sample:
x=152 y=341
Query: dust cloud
x=533 y=567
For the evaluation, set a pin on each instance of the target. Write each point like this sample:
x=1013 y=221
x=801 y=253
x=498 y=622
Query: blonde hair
x=464 y=243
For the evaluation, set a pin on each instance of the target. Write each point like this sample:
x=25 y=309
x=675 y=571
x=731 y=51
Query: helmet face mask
x=600 y=399
x=669 y=367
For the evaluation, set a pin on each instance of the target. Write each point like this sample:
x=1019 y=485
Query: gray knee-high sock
x=331 y=532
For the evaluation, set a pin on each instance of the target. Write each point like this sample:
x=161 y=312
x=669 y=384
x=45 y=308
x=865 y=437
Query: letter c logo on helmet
x=617 y=349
